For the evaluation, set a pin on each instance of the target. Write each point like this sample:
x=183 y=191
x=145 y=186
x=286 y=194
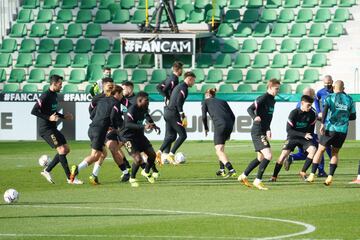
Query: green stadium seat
x=317 y=30
x=18 y=30
x=43 y=60
x=45 y=87
x=335 y=30
x=70 y=88
x=69 y=4
x=253 y=76
x=261 y=60
x=300 y=88
x=36 y=76
x=187 y=8
x=201 y=3
x=286 y=16
x=151 y=88
x=56 y=30
x=5 y=60
x=236 y=4
x=116 y=46
x=291 y=3
x=304 y=16
x=83 y=16
x=214 y=76
x=223 y=61
x=250 y=16
x=10 y=88
x=242 y=60
x=120 y=75
x=299 y=60
x=279 y=30
x=280 y=61
x=204 y=60
x=288 y=46
x=82 y=46
x=44 y=16
x=64 y=16
x=273 y=4
x=136 y=88
x=225 y=30
x=205 y=87
x=17 y=76
x=249 y=46
x=88 y=4
x=234 y=76
x=261 y=30
x=244 y=88
x=243 y=30
x=139 y=76
x=291 y=76
x=46 y=46
x=24 y=60
x=298 y=30
x=94 y=73
x=25 y=16
x=102 y=16
x=272 y=73
x=210 y=13
x=127 y=4
x=30 y=4
x=77 y=76
x=222 y=3
x=30 y=88
x=310 y=76
x=93 y=30
x=101 y=45
x=114 y=7
x=211 y=45
x=74 y=30
x=268 y=15
x=104 y=4
x=226 y=88
x=62 y=61
x=254 y=4
x=196 y=16
x=310 y=3
x=181 y=3
x=147 y=61
x=341 y=15
x=163 y=18
x=268 y=46
x=8 y=45
x=232 y=16
x=59 y=72
x=200 y=75
x=80 y=61
x=318 y=60
x=180 y=15
x=138 y=17
x=230 y=46
x=113 y=61
x=131 y=60
x=158 y=75
x=347 y=3
x=50 y=4
x=325 y=45
x=261 y=88
x=88 y=88
x=121 y=16
x=142 y=4
x=328 y=3
x=322 y=15
x=38 y=30
x=285 y=89
x=306 y=45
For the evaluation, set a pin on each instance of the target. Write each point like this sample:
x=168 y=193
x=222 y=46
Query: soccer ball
x=179 y=158
x=11 y=196
x=44 y=160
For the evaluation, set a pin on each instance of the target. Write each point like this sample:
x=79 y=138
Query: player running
x=46 y=111
x=300 y=128
x=175 y=119
x=339 y=109
x=261 y=111
x=223 y=119
x=167 y=86
x=135 y=140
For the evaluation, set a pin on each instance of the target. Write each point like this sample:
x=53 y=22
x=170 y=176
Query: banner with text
x=160 y=46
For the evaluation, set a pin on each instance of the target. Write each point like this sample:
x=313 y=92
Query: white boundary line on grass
x=308 y=227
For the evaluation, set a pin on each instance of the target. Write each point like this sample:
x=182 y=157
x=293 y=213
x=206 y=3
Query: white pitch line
x=308 y=227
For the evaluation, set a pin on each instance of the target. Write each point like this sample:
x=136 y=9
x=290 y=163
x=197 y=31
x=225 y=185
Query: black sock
x=134 y=169
x=229 y=166
x=332 y=169
x=307 y=164
x=123 y=167
x=314 y=168
x=252 y=165
x=65 y=165
x=126 y=162
x=222 y=166
x=154 y=169
x=149 y=165
x=143 y=165
x=54 y=162
x=277 y=169
x=359 y=169
x=264 y=163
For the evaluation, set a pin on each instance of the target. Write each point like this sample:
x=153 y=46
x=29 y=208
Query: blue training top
x=321 y=96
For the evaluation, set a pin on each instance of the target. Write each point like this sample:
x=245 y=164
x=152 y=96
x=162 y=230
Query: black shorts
x=137 y=145
x=112 y=135
x=97 y=137
x=260 y=142
x=54 y=138
x=335 y=139
x=290 y=144
x=222 y=134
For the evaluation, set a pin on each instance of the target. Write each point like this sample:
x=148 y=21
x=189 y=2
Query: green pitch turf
x=188 y=201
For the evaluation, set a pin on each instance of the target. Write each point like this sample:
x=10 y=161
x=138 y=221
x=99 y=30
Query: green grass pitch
x=188 y=201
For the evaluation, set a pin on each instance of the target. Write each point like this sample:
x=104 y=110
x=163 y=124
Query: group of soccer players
x=119 y=119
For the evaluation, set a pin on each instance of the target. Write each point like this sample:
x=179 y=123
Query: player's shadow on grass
x=96 y=215
x=64 y=203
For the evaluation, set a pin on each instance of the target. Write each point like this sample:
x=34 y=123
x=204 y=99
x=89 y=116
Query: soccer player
x=300 y=128
x=106 y=116
x=167 y=86
x=261 y=111
x=223 y=119
x=46 y=111
x=98 y=87
x=339 y=109
x=357 y=180
x=135 y=140
x=175 y=118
